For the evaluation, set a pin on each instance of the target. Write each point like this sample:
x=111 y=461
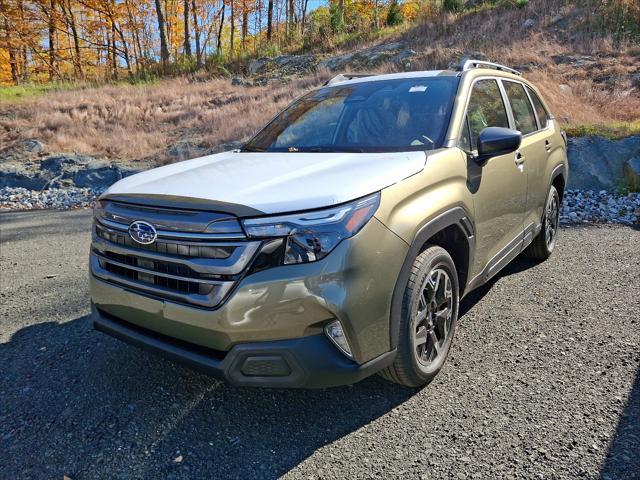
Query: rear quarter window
x=543 y=115
x=521 y=107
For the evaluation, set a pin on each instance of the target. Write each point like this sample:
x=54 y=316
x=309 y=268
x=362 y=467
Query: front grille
x=189 y=267
x=164 y=246
x=183 y=286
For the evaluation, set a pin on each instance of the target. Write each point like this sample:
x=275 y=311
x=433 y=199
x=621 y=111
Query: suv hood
x=275 y=182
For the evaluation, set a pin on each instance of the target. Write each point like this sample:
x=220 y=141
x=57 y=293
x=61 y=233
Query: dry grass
x=141 y=122
x=597 y=92
x=137 y=122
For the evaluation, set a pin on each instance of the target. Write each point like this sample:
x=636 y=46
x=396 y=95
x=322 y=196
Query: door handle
x=519 y=159
x=547 y=145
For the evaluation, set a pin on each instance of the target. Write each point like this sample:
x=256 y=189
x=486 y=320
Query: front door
x=499 y=187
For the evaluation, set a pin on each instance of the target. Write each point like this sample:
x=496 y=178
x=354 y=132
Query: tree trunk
x=13 y=62
x=52 y=41
x=77 y=65
x=109 y=50
x=114 y=53
x=137 y=46
x=187 y=40
x=376 y=16
x=196 y=34
x=270 y=21
x=233 y=29
x=219 y=39
x=292 y=13
x=23 y=51
x=164 y=48
x=304 y=16
x=245 y=23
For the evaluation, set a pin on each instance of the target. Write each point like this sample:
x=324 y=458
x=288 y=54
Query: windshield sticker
x=418 y=88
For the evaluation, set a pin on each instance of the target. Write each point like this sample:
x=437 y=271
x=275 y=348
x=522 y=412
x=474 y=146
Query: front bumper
x=308 y=362
x=353 y=284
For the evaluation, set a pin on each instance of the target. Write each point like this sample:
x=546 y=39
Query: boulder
x=16 y=175
x=257 y=65
x=337 y=63
x=32 y=145
x=61 y=164
x=184 y=150
x=631 y=170
x=394 y=52
x=62 y=171
x=283 y=65
x=565 y=89
x=100 y=175
x=225 y=147
x=573 y=60
x=597 y=163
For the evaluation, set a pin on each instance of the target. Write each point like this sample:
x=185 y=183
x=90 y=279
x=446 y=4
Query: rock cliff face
x=262 y=71
x=597 y=163
x=61 y=171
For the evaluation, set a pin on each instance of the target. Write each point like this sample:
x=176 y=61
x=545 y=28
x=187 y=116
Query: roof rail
x=469 y=63
x=346 y=76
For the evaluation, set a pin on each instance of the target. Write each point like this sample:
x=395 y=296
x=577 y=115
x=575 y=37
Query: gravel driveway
x=543 y=382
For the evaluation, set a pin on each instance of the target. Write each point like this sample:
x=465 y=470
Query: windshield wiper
x=332 y=150
x=252 y=149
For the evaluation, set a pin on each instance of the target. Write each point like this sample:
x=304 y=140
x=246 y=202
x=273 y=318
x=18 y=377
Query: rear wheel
x=544 y=243
x=428 y=320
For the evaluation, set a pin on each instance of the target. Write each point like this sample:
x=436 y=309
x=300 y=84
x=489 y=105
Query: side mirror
x=494 y=141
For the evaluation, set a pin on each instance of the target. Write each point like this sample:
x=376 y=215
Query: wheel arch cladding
x=452 y=230
x=559 y=182
x=559 y=179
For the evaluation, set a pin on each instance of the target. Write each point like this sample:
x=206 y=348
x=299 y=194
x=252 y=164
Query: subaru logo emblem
x=142 y=232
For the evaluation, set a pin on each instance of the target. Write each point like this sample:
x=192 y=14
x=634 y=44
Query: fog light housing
x=336 y=334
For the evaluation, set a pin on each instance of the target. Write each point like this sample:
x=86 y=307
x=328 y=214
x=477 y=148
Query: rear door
x=499 y=187
x=538 y=181
x=533 y=152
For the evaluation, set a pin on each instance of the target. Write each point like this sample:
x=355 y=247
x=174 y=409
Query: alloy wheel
x=432 y=324
x=551 y=221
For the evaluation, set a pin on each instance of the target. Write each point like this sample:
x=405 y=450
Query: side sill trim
x=499 y=261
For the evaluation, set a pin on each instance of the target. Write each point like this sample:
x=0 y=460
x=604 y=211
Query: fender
x=454 y=216
x=558 y=170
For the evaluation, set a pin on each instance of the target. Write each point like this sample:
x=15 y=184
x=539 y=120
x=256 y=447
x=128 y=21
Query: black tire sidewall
x=553 y=192
x=442 y=260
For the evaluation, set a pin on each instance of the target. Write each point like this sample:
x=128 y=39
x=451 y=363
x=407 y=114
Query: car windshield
x=371 y=116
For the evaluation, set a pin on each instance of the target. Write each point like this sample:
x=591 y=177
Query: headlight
x=312 y=235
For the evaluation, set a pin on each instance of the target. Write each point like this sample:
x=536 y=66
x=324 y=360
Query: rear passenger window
x=543 y=116
x=486 y=109
x=521 y=107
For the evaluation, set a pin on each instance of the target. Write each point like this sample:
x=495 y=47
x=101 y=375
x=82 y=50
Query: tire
x=415 y=365
x=542 y=246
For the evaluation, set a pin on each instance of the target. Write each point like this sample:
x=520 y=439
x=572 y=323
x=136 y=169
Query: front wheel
x=544 y=243
x=428 y=319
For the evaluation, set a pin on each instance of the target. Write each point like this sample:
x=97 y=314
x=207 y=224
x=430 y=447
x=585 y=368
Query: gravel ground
x=543 y=382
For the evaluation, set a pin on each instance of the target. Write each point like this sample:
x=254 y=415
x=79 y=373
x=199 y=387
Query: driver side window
x=486 y=109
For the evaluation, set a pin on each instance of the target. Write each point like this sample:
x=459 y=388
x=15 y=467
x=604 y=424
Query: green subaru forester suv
x=337 y=242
